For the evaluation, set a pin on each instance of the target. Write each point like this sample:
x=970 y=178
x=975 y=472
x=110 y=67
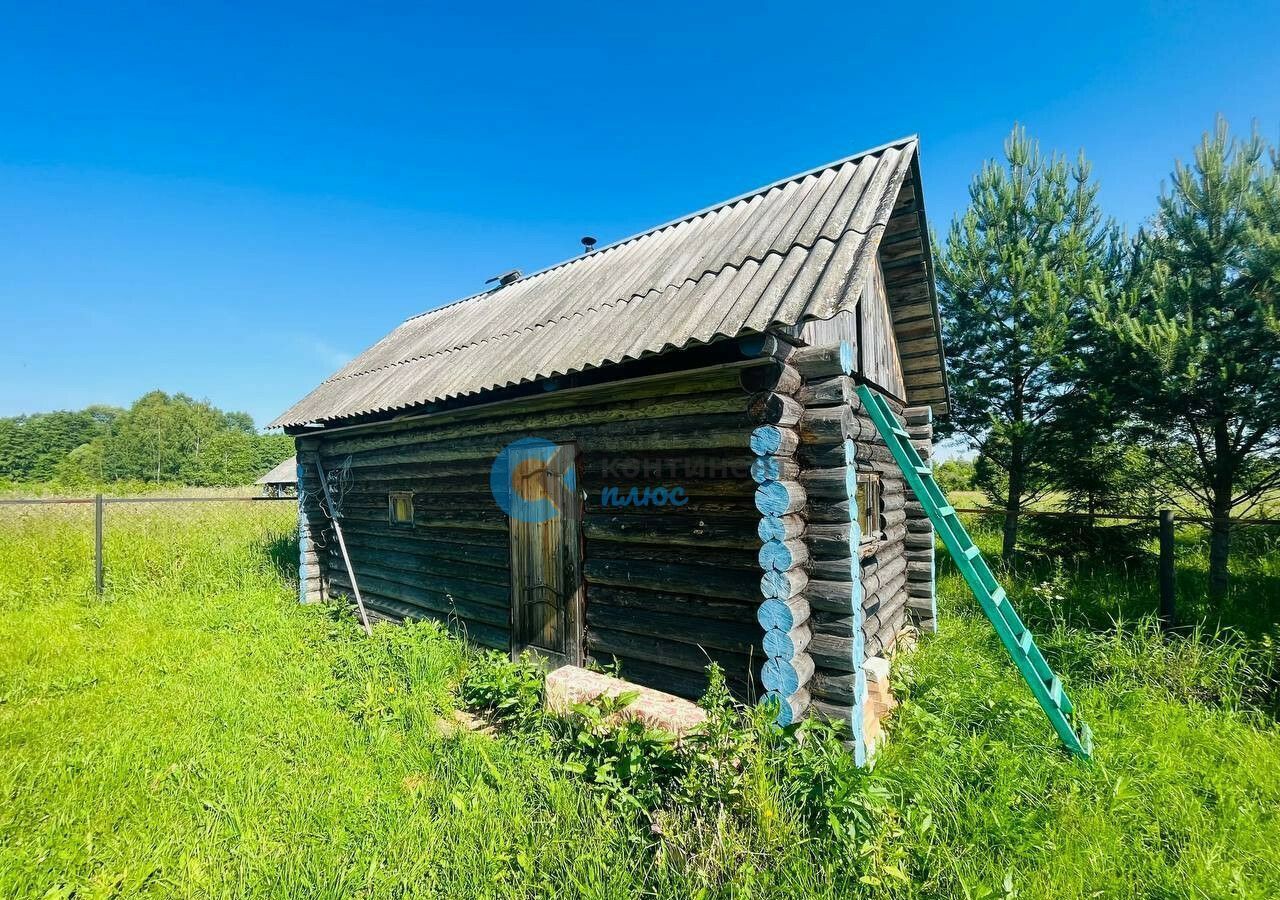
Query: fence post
x=98 y=506
x=1168 y=609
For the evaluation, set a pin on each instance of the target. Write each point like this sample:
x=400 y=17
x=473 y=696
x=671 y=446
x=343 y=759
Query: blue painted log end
x=766 y=439
x=778 y=675
x=776 y=555
x=772 y=499
x=774 y=614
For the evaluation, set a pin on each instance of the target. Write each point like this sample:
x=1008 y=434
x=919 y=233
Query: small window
x=400 y=505
x=868 y=498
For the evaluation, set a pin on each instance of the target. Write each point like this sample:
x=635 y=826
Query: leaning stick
x=342 y=545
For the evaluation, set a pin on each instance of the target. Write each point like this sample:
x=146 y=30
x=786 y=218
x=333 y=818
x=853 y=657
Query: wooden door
x=546 y=570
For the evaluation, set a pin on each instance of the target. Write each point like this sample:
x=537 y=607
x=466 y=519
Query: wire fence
x=101 y=502
x=1166 y=521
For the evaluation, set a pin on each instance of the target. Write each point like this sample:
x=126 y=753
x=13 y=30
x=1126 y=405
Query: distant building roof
x=284 y=473
x=794 y=251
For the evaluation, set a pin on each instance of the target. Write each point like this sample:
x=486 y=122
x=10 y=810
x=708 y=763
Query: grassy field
x=198 y=734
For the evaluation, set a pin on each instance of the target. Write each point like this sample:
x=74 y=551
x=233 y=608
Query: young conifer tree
x=1195 y=347
x=1015 y=279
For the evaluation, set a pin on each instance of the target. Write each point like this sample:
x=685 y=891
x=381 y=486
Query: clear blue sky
x=232 y=201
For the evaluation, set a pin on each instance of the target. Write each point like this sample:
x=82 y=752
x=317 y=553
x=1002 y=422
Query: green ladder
x=1016 y=637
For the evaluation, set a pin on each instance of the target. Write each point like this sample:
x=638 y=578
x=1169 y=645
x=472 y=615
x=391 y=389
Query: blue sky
x=232 y=200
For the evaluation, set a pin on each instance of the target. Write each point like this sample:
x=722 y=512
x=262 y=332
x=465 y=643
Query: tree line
x=161 y=438
x=1114 y=371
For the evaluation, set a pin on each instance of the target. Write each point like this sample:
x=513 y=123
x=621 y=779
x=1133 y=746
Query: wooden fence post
x=98 y=506
x=1168 y=609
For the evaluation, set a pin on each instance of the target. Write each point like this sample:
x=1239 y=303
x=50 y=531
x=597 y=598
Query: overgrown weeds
x=737 y=769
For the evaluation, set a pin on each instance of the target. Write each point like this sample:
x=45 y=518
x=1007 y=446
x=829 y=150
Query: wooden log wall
x=833 y=601
x=885 y=565
x=314 y=533
x=668 y=588
x=784 y=614
x=827 y=458
x=922 y=603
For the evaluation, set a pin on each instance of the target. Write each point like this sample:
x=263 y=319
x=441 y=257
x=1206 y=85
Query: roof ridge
x=680 y=220
x=610 y=304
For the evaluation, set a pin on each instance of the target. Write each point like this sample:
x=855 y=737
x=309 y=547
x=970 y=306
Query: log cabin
x=652 y=456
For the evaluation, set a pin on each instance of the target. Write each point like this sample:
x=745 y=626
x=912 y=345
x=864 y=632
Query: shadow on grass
x=281 y=552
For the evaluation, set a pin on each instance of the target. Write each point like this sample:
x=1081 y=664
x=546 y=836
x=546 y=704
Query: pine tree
x=1016 y=277
x=1196 y=346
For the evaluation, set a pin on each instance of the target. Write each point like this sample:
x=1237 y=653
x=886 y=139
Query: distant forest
x=161 y=438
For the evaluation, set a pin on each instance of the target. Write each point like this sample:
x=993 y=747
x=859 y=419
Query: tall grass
x=197 y=733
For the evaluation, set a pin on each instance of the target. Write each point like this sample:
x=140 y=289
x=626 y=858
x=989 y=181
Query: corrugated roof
x=796 y=250
x=284 y=473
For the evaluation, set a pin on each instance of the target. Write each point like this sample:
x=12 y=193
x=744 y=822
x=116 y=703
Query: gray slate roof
x=794 y=251
x=284 y=473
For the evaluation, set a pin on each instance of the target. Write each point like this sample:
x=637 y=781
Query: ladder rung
x=1055 y=692
x=946 y=510
x=923 y=470
x=899 y=432
x=972 y=552
x=997 y=596
x=1027 y=641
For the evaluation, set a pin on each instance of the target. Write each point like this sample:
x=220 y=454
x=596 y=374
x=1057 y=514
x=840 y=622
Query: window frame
x=392 y=497
x=870 y=510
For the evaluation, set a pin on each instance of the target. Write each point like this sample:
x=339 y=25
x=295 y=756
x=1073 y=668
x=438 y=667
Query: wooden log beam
x=837 y=390
x=893 y=590
x=436 y=602
x=831 y=568
x=657 y=601
x=829 y=596
x=827 y=456
x=892 y=502
x=835 y=484
x=883 y=575
x=891 y=610
x=786 y=644
x=774 y=439
x=602 y=642
x=780 y=528
x=831 y=712
x=824 y=511
x=783 y=585
x=771 y=408
x=782 y=556
x=780 y=498
x=658 y=528
x=774 y=376
x=767 y=345
x=786 y=676
x=823 y=362
x=739 y=636
x=697 y=581
x=829 y=541
x=838 y=688
x=832 y=652
x=783 y=615
x=774 y=468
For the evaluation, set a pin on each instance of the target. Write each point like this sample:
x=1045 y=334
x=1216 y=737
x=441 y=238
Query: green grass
x=198 y=734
